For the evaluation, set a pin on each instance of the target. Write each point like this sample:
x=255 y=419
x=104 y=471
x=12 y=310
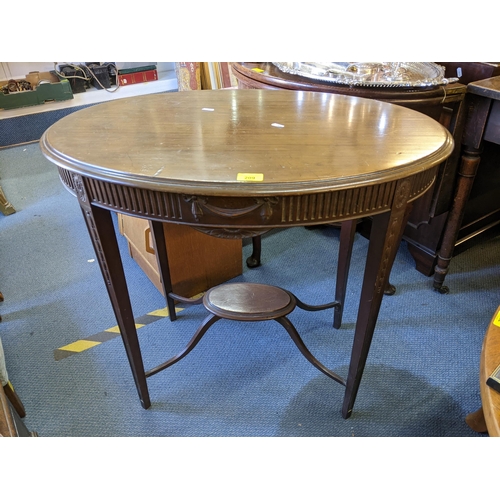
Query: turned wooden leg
x=254 y=259
x=465 y=178
x=476 y=422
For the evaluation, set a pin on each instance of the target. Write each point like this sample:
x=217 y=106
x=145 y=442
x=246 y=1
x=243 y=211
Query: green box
x=47 y=87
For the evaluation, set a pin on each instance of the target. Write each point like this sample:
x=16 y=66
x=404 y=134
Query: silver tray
x=370 y=74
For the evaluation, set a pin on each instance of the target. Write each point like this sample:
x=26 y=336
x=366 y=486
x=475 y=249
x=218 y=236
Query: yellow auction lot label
x=250 y=177
x=496 y=321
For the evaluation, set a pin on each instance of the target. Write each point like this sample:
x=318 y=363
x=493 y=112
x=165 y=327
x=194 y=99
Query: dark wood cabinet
x=439 y=217
x=468 y=72
x=478 y=182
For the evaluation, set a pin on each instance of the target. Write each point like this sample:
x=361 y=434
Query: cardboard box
x=47 y=87
x=197 y=261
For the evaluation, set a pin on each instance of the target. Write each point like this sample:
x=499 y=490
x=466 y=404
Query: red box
x=138 y=77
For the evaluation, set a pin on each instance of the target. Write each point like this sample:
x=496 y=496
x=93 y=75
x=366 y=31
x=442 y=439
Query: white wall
x=18 y=70
x=167 y=81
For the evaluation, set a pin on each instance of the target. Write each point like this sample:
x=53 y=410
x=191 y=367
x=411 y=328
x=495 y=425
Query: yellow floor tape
x=108 y=334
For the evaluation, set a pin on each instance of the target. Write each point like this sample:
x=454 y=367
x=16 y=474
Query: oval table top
x=246 y=142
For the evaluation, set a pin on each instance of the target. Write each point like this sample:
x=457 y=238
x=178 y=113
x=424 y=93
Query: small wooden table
x=487 y=418
x=490 y=359
x=237 y=163
x=482 y=124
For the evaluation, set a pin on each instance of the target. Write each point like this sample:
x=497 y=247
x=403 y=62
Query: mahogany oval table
x=235 y=163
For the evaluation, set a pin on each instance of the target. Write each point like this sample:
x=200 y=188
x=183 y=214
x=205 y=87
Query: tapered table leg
x=385 y=237
x=163 y=266
x=347 y=233
x=160 y=250
x=102 y=233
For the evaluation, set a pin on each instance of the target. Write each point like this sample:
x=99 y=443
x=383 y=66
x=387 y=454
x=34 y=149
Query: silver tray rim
x=342 y=77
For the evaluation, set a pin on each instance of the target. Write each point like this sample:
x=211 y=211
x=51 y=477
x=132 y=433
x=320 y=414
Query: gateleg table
x=236 y=163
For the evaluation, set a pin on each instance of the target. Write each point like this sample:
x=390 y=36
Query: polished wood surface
x=429 y=218
x=487 y=418
x=248 y=300
x=237 y=163
x=490 y=87
x=298 y=141
x=266 y=75
x=490 y=359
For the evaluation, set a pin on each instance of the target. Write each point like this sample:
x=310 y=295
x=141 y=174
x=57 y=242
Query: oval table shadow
x=390 y=403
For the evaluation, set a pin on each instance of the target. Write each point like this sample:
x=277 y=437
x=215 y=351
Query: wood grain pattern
x=172 y=160
x=269 y=76
x=490 y=87
x=174 y=142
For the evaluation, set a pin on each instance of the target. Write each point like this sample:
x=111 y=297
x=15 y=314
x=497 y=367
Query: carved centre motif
x=201 y=205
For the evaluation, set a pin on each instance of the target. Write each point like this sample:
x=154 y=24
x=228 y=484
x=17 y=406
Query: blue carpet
x=243 y=379
x=27 y=128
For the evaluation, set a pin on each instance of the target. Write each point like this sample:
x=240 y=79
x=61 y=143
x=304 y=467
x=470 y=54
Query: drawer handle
x=147 y=239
